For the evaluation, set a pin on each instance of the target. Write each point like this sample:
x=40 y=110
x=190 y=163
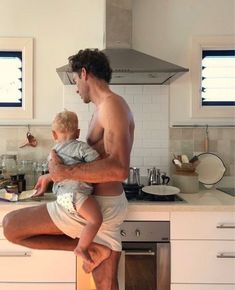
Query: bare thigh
x=29 y=221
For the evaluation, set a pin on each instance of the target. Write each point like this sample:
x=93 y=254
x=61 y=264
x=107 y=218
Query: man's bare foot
x=98 y=254
x=84 y=254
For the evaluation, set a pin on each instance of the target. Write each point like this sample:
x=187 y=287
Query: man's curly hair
x=94 y=61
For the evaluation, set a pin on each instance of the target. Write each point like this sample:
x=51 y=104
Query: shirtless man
x=111 y=133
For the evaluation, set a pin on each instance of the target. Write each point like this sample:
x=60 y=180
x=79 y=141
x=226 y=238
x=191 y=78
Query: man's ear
x=54 y=135
x=84 y=73
x=78 y=133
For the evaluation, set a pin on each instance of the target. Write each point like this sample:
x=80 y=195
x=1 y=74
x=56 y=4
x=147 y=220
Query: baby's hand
x=42 y=184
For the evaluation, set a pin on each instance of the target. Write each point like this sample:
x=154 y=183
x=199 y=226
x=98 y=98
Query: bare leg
x=32 y=227
x=105 y=275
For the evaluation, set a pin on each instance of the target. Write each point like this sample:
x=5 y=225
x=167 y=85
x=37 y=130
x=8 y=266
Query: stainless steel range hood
x=129 y=66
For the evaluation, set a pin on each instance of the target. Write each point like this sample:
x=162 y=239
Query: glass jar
x=26 y=167
x=9 y=164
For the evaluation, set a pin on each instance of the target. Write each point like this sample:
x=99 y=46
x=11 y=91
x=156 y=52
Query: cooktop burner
x=140 y=196
x=230 y=191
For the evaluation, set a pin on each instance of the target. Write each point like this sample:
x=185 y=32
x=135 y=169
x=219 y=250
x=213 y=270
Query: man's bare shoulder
x=115 y=102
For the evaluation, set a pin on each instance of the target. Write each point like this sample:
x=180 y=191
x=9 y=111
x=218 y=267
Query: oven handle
x=139 y=253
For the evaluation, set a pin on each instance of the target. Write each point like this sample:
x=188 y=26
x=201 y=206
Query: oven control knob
x=137 y=233
x=123 y=233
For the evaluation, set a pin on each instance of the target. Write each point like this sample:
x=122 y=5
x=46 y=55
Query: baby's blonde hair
x=65 y=122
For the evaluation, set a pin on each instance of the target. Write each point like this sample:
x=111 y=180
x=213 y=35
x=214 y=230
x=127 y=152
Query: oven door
x=145 y=266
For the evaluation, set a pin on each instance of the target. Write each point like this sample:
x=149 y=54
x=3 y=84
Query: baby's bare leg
x=90 y=211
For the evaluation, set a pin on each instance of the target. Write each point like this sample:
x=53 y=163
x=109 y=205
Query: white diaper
x=66 y=201
x=71 y=201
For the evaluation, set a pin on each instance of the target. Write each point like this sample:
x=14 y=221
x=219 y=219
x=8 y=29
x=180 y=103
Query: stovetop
x=228 y=190
x=140 y=196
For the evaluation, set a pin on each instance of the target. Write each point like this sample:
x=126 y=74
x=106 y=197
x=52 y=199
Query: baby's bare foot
x=84 y=254
x=98 y=254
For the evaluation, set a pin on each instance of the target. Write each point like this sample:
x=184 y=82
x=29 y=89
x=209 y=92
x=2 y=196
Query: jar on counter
x=9 y=164
x=12 y=188
x=26 y=167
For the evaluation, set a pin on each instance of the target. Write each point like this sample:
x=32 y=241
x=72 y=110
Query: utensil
x=165 y=179
x=161 y=189
x=154 y=176
x=31 y=140
x=210 y=170
x=134 y=176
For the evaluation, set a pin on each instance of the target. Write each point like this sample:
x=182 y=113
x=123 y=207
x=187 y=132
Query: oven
x=145 y=260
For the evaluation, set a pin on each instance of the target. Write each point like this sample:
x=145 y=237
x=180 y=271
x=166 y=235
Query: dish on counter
x=161 y=189
x=210 y=169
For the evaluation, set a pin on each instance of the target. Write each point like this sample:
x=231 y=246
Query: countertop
x=204 y=200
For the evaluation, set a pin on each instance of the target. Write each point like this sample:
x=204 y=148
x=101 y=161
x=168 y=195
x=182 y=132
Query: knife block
x=187 y=182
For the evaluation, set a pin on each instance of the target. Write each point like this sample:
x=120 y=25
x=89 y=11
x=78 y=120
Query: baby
x=73 y=195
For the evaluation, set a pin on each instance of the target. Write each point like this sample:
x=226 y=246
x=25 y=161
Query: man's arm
x=115 y=119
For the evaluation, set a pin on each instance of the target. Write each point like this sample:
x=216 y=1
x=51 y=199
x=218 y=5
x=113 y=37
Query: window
x=218 y=78
x=11 y=79
x=16 y=78
x=213 y=77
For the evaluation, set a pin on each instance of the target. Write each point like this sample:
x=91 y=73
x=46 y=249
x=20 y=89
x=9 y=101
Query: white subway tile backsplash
x=149 y=105
x=140 y=99
x=118 y=89
x=129 y=98
x=136 y=89
x=151 y=108
x=151 y=89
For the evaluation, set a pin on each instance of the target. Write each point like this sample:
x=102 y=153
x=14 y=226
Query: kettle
x=134 y=176
x=154 y=176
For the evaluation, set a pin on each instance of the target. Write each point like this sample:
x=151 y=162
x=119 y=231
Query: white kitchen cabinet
x=202 y=287
x=37 y=286
x=202 y=250
x=44 y=269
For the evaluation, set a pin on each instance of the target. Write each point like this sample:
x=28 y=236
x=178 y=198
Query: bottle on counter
x=26 y=167
x=21 y=182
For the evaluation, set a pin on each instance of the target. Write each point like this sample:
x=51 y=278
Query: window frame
x=24 y=45
x=200 y=43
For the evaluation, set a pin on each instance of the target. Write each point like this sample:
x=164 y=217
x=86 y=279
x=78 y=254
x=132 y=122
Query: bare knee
x=9 y=224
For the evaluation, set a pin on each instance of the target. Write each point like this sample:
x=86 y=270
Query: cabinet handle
x=16 y=254
x=226 y=226
x=226 y=255
x=139 y=253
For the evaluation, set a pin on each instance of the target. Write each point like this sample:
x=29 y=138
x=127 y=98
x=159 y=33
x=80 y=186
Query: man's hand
x=42 y=183
x=56 y=167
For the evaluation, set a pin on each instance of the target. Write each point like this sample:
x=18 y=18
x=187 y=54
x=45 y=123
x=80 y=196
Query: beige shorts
x=113 y=208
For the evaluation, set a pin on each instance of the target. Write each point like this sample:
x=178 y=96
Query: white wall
x=164 y=28
x=149 y=105
x=59 y=29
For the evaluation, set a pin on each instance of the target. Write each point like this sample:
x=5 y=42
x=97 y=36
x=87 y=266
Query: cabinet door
x=20 y=264
x=202 y=287
x=37 y=286
x=203 y=225
x=2 y=214
x=203 y=262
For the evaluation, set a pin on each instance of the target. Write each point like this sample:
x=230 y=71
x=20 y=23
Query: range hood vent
x=129 y=66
